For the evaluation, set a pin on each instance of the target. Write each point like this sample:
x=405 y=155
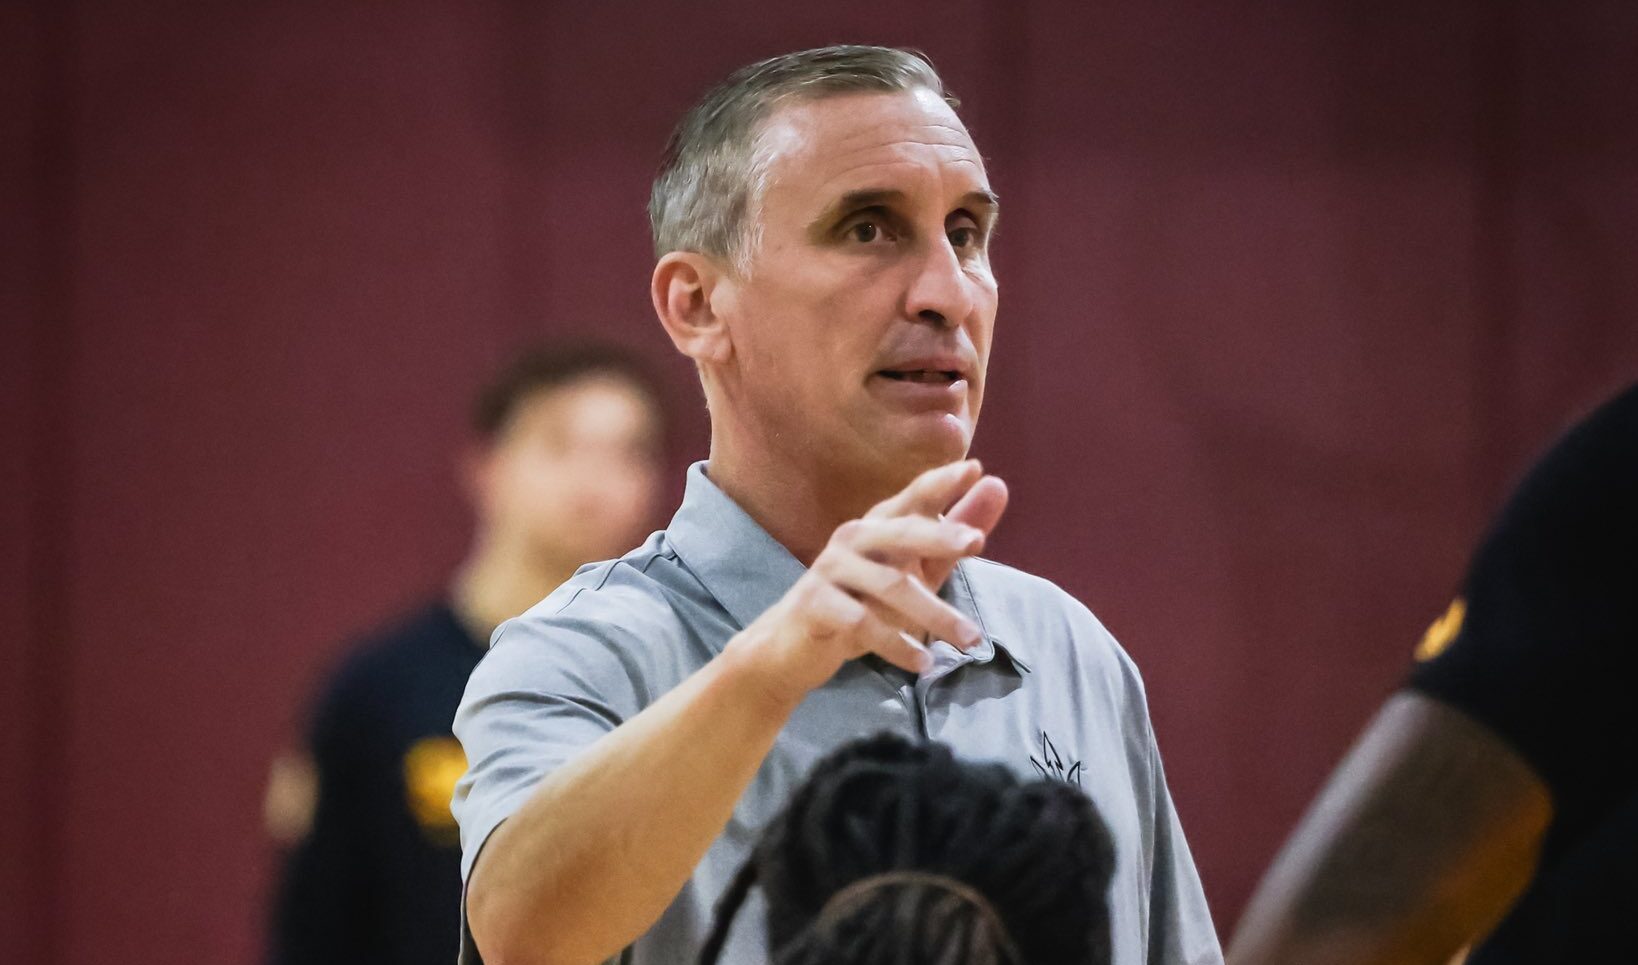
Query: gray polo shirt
x=1048 y=691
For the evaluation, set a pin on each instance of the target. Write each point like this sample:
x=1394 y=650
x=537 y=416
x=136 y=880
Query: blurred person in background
x=1495 y=797
x=896 y=852
x=564 y=470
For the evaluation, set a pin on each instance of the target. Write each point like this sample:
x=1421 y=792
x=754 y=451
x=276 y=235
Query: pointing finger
x=931 y=492
x=980 y=508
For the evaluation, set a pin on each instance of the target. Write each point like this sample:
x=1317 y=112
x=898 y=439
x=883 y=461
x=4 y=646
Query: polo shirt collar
x=958 y=590
x=748 y=571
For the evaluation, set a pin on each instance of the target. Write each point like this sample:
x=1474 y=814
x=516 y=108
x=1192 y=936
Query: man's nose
x=940 y=293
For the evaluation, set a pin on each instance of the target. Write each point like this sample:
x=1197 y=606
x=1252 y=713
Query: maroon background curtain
x=1290 y=292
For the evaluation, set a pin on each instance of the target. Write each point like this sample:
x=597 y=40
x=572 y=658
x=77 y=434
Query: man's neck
x=798 y=506
x=498 y=582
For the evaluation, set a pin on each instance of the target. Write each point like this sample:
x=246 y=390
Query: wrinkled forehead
x=812 y=151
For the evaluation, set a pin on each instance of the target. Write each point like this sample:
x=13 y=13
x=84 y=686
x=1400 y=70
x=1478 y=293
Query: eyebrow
x=981 y=200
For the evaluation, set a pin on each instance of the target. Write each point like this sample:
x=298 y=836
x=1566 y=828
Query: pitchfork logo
x=1050 y=764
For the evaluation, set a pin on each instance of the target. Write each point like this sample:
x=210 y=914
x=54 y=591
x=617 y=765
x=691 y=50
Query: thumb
x=980 y=508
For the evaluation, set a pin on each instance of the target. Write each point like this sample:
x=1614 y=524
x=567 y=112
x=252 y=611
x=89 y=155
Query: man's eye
x=865 y=232
x=964 y=237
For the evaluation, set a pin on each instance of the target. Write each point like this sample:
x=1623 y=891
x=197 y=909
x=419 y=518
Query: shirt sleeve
x=1543 y=641
x=1173 y=924
x=1180 y=926
x=1180 y=929
x=547 y=689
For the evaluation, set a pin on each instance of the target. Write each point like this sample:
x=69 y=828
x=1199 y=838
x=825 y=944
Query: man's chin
x=926 y=445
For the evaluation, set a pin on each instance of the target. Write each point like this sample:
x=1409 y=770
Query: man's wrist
x=753 y=669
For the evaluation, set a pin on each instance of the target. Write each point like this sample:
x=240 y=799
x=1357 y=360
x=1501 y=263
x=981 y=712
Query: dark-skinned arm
x=1422 y=839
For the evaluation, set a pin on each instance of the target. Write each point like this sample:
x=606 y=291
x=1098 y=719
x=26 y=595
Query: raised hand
x=872 y=588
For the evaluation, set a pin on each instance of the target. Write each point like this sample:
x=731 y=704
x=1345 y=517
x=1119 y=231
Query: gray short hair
x=710 y=177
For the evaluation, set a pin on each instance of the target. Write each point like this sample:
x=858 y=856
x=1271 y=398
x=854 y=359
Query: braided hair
x=897 y=853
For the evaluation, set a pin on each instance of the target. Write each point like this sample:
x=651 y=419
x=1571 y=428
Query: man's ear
x=475 y=470
x=682 y=289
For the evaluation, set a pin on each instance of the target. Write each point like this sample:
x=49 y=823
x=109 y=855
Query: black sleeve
x=321 y=912
x=1544 y=655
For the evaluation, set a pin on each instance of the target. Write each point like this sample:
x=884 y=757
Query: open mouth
x=929 y=376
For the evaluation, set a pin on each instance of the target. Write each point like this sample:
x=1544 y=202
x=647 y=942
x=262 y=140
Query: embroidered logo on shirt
x=1050 y=764
x=431 y=768
x=1443 y=631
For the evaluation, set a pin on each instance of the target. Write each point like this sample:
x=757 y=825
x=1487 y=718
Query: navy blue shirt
x=377 y=878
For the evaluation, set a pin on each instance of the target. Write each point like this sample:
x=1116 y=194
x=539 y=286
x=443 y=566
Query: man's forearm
x=604 y=844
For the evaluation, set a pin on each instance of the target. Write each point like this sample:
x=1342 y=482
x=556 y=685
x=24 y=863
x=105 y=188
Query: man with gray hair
x=822 y=222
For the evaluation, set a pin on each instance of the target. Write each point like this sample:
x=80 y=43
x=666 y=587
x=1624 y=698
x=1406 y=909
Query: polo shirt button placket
x=947 y=661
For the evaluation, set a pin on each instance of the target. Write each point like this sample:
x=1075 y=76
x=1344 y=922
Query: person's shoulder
x=1596 y=456
x=1009 y=584
x=1617 y=418
x=1016 y=593
x=431 y=625
x=1039 y=615
x=384 y=651
x=362 y=686
x=626 y=617
x=642 y=591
